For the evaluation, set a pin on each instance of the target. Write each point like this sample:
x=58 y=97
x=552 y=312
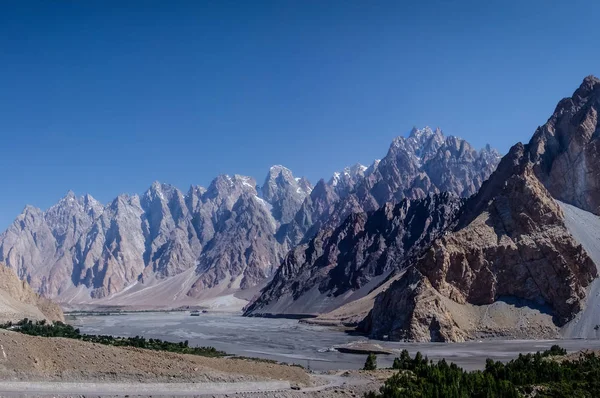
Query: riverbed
x=287 y=340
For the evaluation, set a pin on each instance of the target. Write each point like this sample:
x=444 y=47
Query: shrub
x=371 y=362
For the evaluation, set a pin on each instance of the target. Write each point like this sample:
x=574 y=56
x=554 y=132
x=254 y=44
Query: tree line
x=543 y=374
x=60 y=329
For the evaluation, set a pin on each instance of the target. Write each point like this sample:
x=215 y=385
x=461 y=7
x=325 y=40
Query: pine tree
x=371 y=362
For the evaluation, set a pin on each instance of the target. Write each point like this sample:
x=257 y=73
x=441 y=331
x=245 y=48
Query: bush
x=371 y=362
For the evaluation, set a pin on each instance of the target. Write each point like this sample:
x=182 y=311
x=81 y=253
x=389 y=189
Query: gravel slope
x=585 y=228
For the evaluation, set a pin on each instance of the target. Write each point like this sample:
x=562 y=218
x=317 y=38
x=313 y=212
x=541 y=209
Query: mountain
x=312 y=278
x=522 y=260
x=217 y=239
x=343 y=264
x=170 y=248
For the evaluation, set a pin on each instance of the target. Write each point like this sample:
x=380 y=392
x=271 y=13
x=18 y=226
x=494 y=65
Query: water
x=286 y=340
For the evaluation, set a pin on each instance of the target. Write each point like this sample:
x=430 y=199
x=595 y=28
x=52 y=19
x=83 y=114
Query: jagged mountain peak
x=226 y=185
x=424 y=133
x=71 y=203
x=196 y=189
x=277 y=169
x=279 y=175
x=30 y=209
x=126 y=199
x=345 y=181
x=284 y=192
x=304 y=184
x=161 y=191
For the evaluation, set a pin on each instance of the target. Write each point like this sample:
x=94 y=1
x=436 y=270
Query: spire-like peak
x=420 y=133
x=587 y=86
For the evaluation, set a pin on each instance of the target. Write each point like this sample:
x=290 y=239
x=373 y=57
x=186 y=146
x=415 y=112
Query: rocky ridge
x=425 y=162
x=178 y=247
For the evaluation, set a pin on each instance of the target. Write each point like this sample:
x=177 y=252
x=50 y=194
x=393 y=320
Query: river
x=286 y=340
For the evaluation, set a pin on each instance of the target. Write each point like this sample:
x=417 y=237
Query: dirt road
x=137 y=389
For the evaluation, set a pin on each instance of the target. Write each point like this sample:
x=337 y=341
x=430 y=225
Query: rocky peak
x=194 y=196
x=159 y=191
x=284 y=192
x=226 y=189
x=566 y=150
x=68 y=209
x=372 y=167
x=304 y=184
x=344 y=182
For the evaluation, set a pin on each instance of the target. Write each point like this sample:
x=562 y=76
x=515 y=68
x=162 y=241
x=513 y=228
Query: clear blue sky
x=107 y=96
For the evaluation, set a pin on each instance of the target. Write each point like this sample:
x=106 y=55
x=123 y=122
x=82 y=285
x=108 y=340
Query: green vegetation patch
x=59 y=329
x=538 y=375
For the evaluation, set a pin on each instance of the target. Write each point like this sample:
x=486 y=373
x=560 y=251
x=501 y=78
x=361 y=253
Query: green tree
x=371 y=362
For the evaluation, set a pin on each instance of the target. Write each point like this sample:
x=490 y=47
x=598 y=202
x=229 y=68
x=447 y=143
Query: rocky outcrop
x=512 y=240
x=18 y=300
x=364 y=248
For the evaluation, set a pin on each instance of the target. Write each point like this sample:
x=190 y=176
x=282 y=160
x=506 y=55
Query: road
x=8 y=388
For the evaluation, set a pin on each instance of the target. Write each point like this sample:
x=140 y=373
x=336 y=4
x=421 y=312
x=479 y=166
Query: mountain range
x=436 y=241
x=168 y=248
x=519 y=259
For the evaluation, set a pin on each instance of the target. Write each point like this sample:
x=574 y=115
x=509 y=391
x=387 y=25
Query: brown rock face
x=18 y=300
x=518 y=246
x=511 y=240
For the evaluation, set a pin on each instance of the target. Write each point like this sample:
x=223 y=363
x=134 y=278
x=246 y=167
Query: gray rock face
x=226 y=233
x=285 y=193
x=363 y=247
x=512 y=240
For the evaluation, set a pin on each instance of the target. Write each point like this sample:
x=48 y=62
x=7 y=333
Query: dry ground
x=25 y=357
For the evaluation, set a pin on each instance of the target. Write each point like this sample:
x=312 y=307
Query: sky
x=105 y=97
